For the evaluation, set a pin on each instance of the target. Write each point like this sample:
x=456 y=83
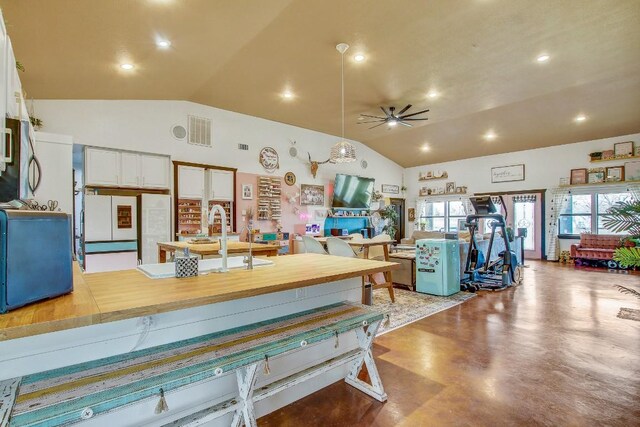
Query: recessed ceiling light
x=425 y=147
x=543 y=58
x=359 y=57
x=127 y=66
x=433 y=94
x=287 y=95
x=163 y=43
x=490 y=135
x=580 y=118
x=393 y=122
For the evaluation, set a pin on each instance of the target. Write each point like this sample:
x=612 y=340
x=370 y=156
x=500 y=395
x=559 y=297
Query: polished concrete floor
x=549 y=352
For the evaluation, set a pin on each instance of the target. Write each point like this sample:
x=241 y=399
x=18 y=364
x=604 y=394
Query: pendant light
x=343 y=151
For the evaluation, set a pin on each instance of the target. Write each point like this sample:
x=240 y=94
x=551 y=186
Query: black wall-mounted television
x=352 y=192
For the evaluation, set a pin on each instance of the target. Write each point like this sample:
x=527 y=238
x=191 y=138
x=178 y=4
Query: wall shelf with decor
x=598 y=184
x=433 y=178
x=269 y=195
x=614 y=159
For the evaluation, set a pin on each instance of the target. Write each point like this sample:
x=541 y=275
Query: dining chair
x=339 y=247
x=312 y=246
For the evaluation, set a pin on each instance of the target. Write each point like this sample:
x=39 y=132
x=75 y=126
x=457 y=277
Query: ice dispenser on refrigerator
x=438 y=266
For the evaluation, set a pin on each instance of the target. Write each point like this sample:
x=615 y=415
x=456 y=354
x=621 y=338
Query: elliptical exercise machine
x=497 y=274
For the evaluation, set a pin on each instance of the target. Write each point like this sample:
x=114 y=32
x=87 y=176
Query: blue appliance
x=35 y=257
x=438 y=266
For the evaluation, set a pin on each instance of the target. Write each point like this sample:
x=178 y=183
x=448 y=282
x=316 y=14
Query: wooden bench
x=79 y=392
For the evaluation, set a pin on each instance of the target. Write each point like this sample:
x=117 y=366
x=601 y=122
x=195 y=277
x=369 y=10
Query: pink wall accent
x=291 y=222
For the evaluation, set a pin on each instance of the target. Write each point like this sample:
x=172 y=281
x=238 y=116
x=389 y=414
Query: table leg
x=162 y=255
x=387 y=275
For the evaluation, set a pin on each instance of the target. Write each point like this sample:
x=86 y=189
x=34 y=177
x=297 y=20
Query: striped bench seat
x=72 y=394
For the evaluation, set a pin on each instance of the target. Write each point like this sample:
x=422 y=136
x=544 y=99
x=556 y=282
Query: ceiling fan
x=392 y=118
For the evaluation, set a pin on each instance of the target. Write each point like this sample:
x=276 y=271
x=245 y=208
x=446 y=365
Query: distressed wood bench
x=72 y=394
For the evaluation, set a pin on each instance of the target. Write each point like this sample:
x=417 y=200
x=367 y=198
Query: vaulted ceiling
x=480 y=56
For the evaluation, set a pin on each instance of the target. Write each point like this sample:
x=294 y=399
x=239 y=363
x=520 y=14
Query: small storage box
x=35 y=257
x=186 y=266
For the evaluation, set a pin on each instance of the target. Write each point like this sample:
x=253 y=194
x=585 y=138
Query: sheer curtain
x=559 y=201
x=634 y=189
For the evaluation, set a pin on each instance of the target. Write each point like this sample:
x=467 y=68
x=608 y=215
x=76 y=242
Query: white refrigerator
x=155 y=225
x=110 y=233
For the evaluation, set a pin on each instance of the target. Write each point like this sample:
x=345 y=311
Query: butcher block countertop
x=107 y=297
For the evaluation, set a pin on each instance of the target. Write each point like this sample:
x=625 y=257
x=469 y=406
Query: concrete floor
x=550 y=352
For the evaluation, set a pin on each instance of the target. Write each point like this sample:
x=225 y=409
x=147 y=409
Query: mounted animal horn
x=315 y=164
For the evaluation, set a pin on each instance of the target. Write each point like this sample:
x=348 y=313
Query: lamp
x=343 y=151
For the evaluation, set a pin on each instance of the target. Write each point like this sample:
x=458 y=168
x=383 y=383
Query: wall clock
x=269 y=159
x=290 y=178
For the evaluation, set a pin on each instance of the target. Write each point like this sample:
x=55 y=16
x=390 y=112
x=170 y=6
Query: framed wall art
x=622 y=149
x=632 y=171
x=595 y=177
x=390 y=189
x=615 y=174
x=290 y=178
x=311 y=195
x=269 y=159
x=507 y=173
x=578 y=176
x=247 y=192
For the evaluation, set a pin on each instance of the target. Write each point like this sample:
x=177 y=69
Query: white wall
x=145 y=126
x=543 y=168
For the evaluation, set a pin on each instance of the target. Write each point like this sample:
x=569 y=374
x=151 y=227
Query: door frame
x=401 y=219
x=542 y=192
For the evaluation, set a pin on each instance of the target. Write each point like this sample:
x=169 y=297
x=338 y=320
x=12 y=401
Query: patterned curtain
x=559 y=201
x=634 y=189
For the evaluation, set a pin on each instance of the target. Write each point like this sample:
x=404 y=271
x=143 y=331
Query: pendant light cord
x=342 y=79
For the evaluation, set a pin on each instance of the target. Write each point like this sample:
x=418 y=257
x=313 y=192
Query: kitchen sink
x=205 y=266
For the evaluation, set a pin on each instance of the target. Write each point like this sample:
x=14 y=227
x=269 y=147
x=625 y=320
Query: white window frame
x=446 y=215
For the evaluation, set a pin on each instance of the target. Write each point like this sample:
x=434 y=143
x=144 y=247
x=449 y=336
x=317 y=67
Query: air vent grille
x=199 y=131
x=244 y=147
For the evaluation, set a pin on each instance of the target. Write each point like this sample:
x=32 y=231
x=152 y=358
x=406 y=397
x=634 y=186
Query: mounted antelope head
x=315 y=164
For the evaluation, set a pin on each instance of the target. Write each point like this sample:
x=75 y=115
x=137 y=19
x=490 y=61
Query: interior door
x=155 y=225
x=398 y=206
x=527 y=214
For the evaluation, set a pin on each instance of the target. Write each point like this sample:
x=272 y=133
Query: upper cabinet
x=114 y=168
x=190 y=182
x=155 y=171
x=221 y=185
x=102 y=167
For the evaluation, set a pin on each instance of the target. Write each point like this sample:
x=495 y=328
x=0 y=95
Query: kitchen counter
x=107 y=297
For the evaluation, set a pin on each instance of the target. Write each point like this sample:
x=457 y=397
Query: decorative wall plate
x=269 y=159
x=290 y=178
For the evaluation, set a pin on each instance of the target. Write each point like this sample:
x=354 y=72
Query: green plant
x=35 y=122
x=19 y=66
x=390 y=214
x=376 y=196
x=624 y=217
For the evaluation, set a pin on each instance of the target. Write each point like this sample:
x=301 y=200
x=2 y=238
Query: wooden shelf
x=592 y=184
x=434 y=178
x=615 y=159
x=442 y=194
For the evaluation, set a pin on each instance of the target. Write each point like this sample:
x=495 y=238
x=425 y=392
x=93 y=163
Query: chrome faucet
x=223 y=241
x=249 y=260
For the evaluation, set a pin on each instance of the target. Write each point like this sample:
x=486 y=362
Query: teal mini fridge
x=438 y=266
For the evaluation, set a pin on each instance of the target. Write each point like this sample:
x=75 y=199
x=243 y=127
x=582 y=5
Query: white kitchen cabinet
x=130 y=170
x=115 y=168
x=55 y=153
x=190 y=182
x=154 y=171
x=102 y=167
x=221 y=185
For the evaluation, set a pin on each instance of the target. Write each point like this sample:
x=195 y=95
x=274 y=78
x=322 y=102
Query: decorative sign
x=289 y=178
x=269 y=159
x=507 y=173
x=412 y=214
x=312 y=195
x=390 y=189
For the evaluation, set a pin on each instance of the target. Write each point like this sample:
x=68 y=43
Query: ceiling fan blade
x=372 y=121
x=415 y=114
x=404 y=109
x=405 y=124
x=377 y=125
x=415 y=119
x=373 y=117
x=386 y=113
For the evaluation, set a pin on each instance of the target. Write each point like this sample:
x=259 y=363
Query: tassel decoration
x=162 y=404
x=387 y=321
x=337 y=344
x=267 y=370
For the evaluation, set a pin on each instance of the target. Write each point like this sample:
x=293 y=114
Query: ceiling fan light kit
x=343 y=151
x=392 y=118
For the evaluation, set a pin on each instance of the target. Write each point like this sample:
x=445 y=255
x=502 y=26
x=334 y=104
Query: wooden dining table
x=204 y=249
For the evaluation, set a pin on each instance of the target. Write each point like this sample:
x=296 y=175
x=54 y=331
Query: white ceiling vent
x=179 y=132
x=244 y=147
x=199 y=131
